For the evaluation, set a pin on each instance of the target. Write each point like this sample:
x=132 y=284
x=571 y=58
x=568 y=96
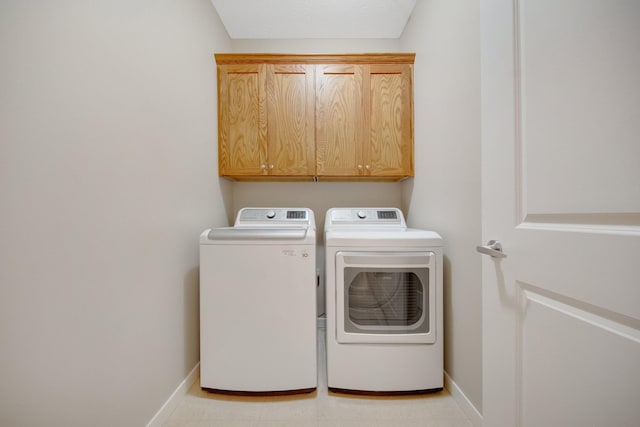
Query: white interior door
x=561 y=190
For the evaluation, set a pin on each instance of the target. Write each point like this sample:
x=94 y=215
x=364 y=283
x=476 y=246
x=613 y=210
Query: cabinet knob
x=368 y=166
x=263 y=166
x=359 y=166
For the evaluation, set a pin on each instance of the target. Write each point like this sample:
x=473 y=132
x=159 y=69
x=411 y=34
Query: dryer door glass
x=386 y=300
x=385 y=297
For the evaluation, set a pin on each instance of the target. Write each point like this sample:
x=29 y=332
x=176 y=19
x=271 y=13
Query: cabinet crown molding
x=277 y=58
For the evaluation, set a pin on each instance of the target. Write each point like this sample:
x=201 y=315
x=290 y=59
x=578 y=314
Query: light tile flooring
x=318 y=409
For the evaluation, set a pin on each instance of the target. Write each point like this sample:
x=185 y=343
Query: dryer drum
x=385 y=298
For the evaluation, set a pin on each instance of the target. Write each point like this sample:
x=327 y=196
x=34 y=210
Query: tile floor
x=318 y=409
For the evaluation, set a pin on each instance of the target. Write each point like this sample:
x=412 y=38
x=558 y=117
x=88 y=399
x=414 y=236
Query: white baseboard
x=176 y=397
x=461 y=399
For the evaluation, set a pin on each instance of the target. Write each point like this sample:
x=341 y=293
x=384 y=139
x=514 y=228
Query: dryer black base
x=384 y=393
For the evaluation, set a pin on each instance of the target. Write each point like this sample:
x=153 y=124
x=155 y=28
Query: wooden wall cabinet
x=364 y=121
x=325 y=117
x=266 y=121
x=242 y=121
x=290 y=120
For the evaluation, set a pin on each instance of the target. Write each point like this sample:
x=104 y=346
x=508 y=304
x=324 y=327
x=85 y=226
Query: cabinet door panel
x=389 y=151
x=242 y=120
x=339 y=120
x=291 y=119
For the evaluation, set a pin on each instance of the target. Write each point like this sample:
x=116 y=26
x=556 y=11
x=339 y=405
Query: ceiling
x=314 y=19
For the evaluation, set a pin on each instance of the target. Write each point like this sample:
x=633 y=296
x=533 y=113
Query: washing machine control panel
x=388 y=216
x=249 y=216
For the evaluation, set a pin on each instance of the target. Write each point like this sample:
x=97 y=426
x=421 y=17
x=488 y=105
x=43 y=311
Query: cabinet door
x=242 y=134
x=388 y=150
x=290 y=119
x=339 y=120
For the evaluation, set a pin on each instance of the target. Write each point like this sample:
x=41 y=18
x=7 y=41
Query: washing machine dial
x=362 y=214
x=271 y=214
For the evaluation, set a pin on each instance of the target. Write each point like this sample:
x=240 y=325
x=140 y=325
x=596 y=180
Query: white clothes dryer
x=384 y=303
x=258 y=303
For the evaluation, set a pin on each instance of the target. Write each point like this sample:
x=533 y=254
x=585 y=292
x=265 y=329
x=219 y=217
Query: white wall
x=315 y=45
x=445 y=193
x=107 y=176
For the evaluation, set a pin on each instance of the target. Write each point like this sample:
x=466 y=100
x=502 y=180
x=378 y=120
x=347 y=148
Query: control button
x=271 y=214
x=362 y=214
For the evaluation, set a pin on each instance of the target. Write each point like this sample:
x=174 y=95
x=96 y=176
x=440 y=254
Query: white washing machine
x=384 y=303
x=258 y=303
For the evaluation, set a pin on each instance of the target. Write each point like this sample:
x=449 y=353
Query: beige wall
x=108 y=174
x=445 y=193
x=316 y=46
x=107 y=177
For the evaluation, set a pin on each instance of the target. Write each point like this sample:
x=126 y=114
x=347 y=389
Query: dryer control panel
x=370 y=216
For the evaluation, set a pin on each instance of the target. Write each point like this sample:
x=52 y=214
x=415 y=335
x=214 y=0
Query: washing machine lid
x=407 y=238
x=232 y=233
x=255 y=226
x=258 y=236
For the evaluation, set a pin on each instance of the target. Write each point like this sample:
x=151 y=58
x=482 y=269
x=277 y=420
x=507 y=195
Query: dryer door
x=386 y=297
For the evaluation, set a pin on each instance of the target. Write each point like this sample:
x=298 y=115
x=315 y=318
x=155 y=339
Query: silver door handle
x=493 y=248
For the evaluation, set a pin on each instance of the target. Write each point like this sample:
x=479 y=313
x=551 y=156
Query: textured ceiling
x=311 y=19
